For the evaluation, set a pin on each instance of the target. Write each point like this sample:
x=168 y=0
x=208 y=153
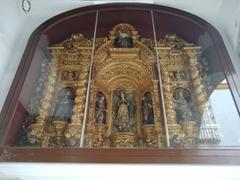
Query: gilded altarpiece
x=125 y=108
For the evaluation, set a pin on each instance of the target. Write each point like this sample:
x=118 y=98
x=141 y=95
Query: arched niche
x=100 y=108
x=147 y=109
x=183 y=104
x=63 y=106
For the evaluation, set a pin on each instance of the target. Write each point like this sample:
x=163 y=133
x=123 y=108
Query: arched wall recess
x=56 y=30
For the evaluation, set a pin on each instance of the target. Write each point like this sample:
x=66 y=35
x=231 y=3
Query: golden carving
x=60 y=128
x=99 y=135
x=70 y=75
x=127 y=28
x=76 y=41
x=124 y=140
x=150 y=137
x=123 y=62
x=176 y=135
x=191 y=134
x=72 y=134
x=35 y=135
x=180 y=71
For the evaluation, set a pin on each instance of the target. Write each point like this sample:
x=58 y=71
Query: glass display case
x=123 y=83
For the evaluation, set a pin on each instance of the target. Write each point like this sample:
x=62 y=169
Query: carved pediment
x=122 y=70
x=123 y=28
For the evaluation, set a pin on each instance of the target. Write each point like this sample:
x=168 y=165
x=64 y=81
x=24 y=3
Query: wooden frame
x=188 y=156
x=221 y=156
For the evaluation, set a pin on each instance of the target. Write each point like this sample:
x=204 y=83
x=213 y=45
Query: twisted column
x=78 y=108
x=170 y=111
x=198 y=86
x=73 y=131
x=35 y=134
x=157 y=114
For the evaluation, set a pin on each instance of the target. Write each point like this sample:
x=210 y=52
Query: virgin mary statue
x=123 y=114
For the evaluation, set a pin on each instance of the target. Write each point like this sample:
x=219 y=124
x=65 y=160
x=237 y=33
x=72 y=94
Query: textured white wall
x=44 y=171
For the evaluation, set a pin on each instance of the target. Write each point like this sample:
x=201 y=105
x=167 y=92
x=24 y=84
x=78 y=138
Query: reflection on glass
x=125 y=108
x=221 y=121
x=209 y=130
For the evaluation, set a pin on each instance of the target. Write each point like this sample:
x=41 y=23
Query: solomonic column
x=73 y=131
x=175 y=130
x=168 y=97
x=148 y=130
x=200 y=95
x=35 y=135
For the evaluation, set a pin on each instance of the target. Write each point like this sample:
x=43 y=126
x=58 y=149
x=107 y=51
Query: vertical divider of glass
x=88 y=84
x=160 y=82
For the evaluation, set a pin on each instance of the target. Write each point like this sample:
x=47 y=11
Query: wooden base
x=111 y=155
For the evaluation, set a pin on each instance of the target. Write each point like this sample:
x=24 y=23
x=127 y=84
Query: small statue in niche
x=176 y=141
x=183 y=105
x=183 y=75
x=123 y=40
x=100 y=108
x=64 y=105
x=147 y=109
x=123 y=119
x=178 y=75
x=70 y=75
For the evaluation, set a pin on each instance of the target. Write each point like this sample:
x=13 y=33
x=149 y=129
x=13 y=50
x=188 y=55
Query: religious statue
x=64 y=106
x=147 y=109
x=123 y=40
x=100 y=109
x=70 y=75
x=176 y=141
x=182 y=106
x=123 y=119
x=178 y=75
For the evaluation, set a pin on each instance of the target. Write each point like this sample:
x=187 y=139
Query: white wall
x=11 y=45
x=44 y=171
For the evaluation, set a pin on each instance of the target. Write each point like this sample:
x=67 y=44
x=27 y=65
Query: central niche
x=124 y=115
x=122 y=89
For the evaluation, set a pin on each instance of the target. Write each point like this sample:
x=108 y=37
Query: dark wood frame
x=188 y=156
x=14 y=154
